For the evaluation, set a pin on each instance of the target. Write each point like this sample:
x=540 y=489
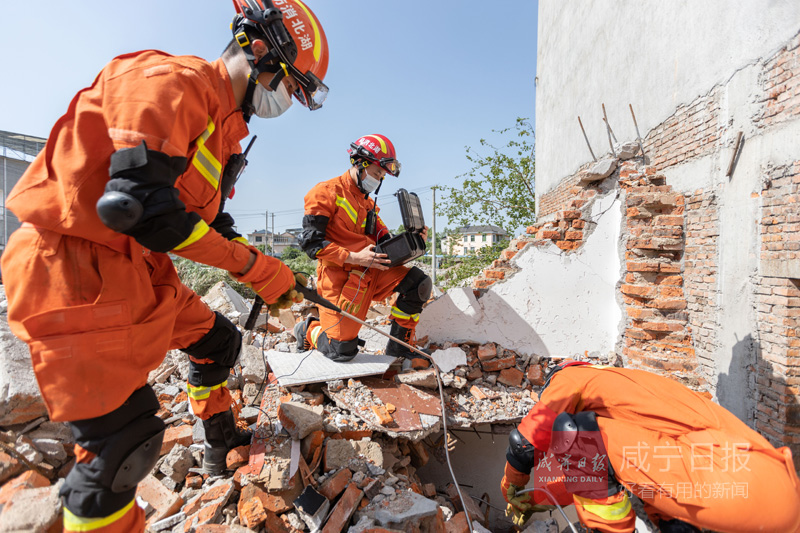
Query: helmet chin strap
x=258 y=67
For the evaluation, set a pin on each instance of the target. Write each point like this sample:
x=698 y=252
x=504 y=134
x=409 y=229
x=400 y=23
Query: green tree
x=499 y=188
x=298 y=261
x=465 y=268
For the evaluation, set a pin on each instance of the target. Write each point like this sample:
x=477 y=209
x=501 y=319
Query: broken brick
x=384 y=418
x=535 y=374
x=9 y=466
x=335 y=484
x=164 y=501
x=28 y=480
x=457 y=524
x=252 y=513
x=429 y=490
x=496 y=365
x=477 y=393
x=487 y=351
x=237 y=457
x=474 y=373
x=176 y=435
x=343 y=511
x=511 y=377
x=274 y=524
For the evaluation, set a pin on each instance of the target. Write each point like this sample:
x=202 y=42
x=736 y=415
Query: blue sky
x=434 y=77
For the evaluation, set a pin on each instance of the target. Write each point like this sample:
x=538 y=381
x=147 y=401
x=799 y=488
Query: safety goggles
x=390 y=165
x=311 y=91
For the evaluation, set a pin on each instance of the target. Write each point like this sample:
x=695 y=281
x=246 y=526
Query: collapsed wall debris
x=342 y=453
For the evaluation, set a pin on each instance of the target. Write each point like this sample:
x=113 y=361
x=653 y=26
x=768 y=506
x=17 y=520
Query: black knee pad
x=221 y=344
x=414 y=290
x=335 y=350
x=126 y=443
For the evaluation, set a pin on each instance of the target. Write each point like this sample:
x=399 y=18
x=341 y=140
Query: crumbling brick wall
x=778 y=309
x=671 y=283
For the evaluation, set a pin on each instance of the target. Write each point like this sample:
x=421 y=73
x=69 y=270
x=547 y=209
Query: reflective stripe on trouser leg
x=406 y=320
x=206 y=401
x=312 y=335
x=129 y=519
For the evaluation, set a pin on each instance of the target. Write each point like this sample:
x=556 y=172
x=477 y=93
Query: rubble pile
x=335 y=456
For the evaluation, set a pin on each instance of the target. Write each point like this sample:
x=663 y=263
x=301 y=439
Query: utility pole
x=272 y=237
x=5 y=195
x=433 y=237
x=266 y=228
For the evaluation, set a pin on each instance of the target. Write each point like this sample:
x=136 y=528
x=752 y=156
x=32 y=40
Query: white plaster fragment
x=449 y=359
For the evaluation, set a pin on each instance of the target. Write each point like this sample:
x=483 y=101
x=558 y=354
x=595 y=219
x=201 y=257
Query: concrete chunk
x=600 y=170
x=300 y=419
x=20 y=400
x=406 y=508
x=450 y=358
x=32 y=510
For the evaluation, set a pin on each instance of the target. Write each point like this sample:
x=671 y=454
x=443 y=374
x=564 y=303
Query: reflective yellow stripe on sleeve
x=200 y=229
x=315 y=331
x=204 y=161
x=397 y=313
x=202 y=393
x=241 y=240
x=611 y=512
x=344 y=204
x=76 y=523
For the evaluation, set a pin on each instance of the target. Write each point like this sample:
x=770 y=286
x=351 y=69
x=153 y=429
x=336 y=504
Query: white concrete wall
x=654 y=55
x=558 y=304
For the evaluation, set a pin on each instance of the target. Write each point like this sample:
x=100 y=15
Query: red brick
x=511 y=377
x=573 y=235
x=276 y=502
x=675 y=305
x=237 y=457
x=569 y=215
x=335 y=484
x=164 y=501
x=483 y=283
x=477 y=393
x=474 y=373
x=552 y=234
x=384 y=418
x=193 y=481
x=344 y=509
x=494 y=274
x=662 y=326
x=671 y=292
x=639 y=291
x=252 y=513
x=637 y=266
x=429 y=490
x=578 y=224
x=275 y=524
x=28 y=480
x=568 y=245
x=496 y=365
x=9 y=466
x=313 y=441
x=487 y=351
x=457 y=524
x=176 y=435
x=535 y=374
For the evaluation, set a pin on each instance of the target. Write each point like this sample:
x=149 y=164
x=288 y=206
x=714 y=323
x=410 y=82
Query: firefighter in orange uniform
x=600 y=431
x=340 y=229
x=139 y=166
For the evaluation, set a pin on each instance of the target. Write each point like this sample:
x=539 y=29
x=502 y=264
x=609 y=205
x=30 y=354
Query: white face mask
x=271 y=104
x=369 y=184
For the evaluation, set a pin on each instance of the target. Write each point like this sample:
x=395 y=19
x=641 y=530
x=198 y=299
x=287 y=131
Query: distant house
x=470 y=239
x=278 y=241
x=17 y=151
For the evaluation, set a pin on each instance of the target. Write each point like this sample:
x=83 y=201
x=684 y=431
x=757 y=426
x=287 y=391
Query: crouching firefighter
x=137 y=168
x=341 y=227
x=599 y=433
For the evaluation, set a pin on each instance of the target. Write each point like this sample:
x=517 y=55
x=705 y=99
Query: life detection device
x=408 y=245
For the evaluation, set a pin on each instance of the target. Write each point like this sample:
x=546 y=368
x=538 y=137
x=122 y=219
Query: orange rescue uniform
x=684 y=456
x=349 y=286
x=97 y=310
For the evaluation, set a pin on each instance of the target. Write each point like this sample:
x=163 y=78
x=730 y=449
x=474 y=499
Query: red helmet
x=376 y=149
x=297 y=43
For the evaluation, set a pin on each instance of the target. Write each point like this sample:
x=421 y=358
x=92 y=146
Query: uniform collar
x=234 y=121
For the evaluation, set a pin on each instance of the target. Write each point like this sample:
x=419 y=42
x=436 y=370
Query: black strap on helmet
x=269 y=27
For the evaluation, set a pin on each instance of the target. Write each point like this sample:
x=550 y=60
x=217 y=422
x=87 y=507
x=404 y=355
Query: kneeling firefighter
x=600 y=431
x=341 y=227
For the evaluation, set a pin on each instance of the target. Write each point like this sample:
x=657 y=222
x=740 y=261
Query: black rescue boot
x=404 y=334
x=300 y=330
x=222 y=436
